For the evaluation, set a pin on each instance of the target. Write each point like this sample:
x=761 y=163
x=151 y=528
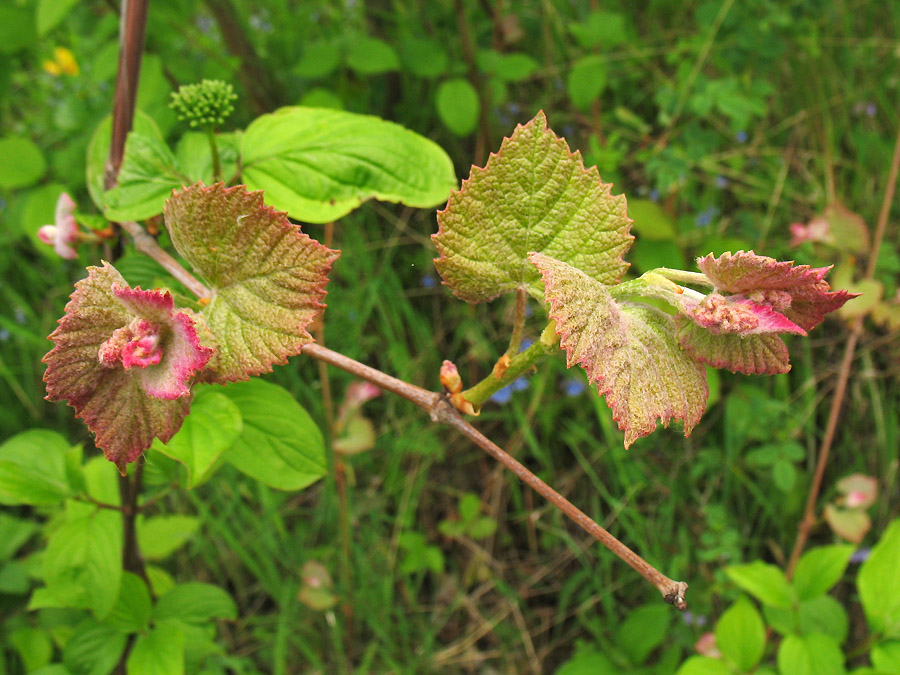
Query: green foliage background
x=723 y=123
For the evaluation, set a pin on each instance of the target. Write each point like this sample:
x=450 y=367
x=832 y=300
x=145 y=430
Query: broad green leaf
x=94 y=648
x=17 y=29
x=160 y=536
x=534 y=195
x=650 y=221
x=815 y=654
x=512 y=67
x=820 y=568
x=764 y=582
x=886 y=657
x=14 y=532
x=823 y=614
x=149 y=174
x=784 y=621
x=280 y=444
x=267 y=278
x=212 y=428
x=195 y=603
x=33 y=469
x=587 y=660
x=83 y=561
x=319 y=165
x=760 y=354
x=320 y=58
x=741 y=635
x=14 y=578
x=587 y=80
x=23 y=163
x=51 y=12
x=133 y=607
x=458 y=105
x=33 y=645
x=320 y=97
x=627 y=349
x=98 y=152
x=423 y=57
x=643 y=630
x=159 y=651
x=193 y=156
x=601 y=28
x=102 y=481
x=879 y=584
x=371 y=56
x=703 y=665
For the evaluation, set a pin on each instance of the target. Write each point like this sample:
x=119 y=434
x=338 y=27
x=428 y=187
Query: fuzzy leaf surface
x=534 y=195
x=268 y=278
x=763 y=354
x=629 y=350
x=319 y=164
x=126 y=402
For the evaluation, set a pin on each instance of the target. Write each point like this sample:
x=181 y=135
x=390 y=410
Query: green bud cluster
x=208 y=103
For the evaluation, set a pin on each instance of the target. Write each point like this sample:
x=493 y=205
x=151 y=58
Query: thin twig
x=809 y=514
x=442 y=411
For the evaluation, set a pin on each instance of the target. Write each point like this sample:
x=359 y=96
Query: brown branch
x=440 y=410
x=809 y=514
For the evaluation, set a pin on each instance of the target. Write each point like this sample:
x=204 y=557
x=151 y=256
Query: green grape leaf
x=268 y=279
x=629 y=350
x=319 y=165
x=534 y=195
x=762 y=354
x=149 y=174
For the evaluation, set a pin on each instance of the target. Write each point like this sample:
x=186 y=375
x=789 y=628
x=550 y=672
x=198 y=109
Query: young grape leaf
x=533 y=195
x=124 y=359
x=764 y=354
x=268 y=279
x=629 y=350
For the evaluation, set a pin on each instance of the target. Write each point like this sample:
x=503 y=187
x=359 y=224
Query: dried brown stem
x=442 y=411
x=809 y=514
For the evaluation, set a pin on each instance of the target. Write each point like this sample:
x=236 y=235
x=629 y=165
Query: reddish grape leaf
x=799 y=292
x=628 y=349
x=760 y=354
x=268 y=279
x=124 y=359
x=533 y=195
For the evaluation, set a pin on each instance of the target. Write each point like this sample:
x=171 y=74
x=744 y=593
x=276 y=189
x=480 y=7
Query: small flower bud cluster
x=206 y=104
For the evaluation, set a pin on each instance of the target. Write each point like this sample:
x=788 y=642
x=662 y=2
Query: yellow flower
x=63 y=63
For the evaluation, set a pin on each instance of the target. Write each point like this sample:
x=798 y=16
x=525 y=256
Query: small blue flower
x=692 y=619
x=871 y=110
x=860 y=556
x=654 y=195
x=4 y=335
x=520 y=385
x=429 y=281
x=573 y=386
x=514 y=107
x=525 y=344
x=705 y=217
x=741 y=136
x=503 y=396
x=19 y=315
x=721 y=182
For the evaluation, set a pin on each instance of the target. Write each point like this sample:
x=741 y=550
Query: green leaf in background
x=83 y=562
x=587 y=80
x=513 y=67
x=94 y=648
x=886 y=657
x=588 y=660
x=98 y=152
x=643 y=630
x=17 y=30
x=22 y=162
x=160 y=536
x=320 y=97
x=371 y=56
x=764 y=582
x=33 y=645
x=280 y=444
x=149 y=174
x=741 y=635
x=648 y=255
x=195 y=603
x=320 y=58
x=268 y=279
x=51 y=12
x=423 y=57
x=212 y=427
x=703 y=665
x=319 y=165
x=879 y=583
x=628 y=350
x=133 y=607
x=823 y=614
x=650 y=220
x=14 y=532
x=534 y=195
x=159 y=651
x=33 y=468
x=601 y=29
x=821 y=568
x=815 y=654
x=193 y=156
x=458 y=105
